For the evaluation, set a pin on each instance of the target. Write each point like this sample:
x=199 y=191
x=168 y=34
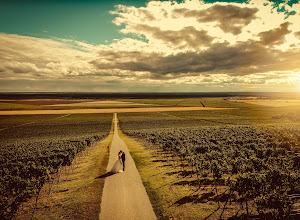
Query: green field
x=12 y=106
x=191 y=102
x=244 y=115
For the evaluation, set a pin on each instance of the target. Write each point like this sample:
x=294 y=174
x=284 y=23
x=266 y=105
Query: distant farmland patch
x=99 y=103
x=41 y=102
x=108 y=110
x=270 y=103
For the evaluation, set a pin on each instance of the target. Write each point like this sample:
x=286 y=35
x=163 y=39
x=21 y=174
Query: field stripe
x=112 y=110
x=34 y=122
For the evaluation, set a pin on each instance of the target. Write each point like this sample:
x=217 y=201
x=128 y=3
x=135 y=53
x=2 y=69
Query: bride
x=118 y=166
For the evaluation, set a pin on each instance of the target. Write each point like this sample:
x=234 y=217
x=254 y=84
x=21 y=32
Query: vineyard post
x=77 y=160
x=87 y=150
x=224 y=207
x=216 y=189
x=51 y=189
x=36 y=201
x=72 y=165
x=61 y=168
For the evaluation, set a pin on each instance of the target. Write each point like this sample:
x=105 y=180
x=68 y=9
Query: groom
x=123 y=160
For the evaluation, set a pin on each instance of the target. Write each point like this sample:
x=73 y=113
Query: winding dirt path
x=124 y=196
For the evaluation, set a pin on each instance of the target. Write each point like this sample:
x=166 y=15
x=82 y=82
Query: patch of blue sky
x=83 y=20
x=88 y=21
x=282 y=9
x=276 y=3
x=228 y=1
x=292 y=2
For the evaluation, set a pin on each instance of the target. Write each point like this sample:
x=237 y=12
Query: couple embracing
x=117 y=167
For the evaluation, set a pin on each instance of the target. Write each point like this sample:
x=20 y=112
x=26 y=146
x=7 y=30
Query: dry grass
x=173 y=187
x=78 y=194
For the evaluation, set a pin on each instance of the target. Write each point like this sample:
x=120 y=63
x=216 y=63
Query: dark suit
x=123 y=160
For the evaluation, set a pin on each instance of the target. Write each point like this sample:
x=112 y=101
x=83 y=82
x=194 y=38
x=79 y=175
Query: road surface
x=124 y=196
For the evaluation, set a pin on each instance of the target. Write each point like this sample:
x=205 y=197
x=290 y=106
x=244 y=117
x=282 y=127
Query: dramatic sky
x=149 y=46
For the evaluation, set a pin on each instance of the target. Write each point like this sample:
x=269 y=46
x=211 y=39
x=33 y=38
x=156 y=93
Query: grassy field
x=218 y=102
x=13 y=106
x=244 y=115
x=67 y=104
x=192 y=102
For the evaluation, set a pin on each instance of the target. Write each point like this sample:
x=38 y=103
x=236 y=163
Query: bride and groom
x=120 y=162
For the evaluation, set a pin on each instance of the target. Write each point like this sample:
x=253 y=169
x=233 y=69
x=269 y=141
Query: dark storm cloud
x=187 y=36
x=275 y=36
x=231 y=18
x=245 y=58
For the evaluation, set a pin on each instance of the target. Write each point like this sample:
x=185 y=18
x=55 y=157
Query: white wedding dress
x=117 y=167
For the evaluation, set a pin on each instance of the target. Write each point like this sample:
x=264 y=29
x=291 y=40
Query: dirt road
x=124 y=196
x=110 y=110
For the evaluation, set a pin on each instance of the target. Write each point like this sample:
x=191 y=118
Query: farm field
x=75 y=191
x=100 y=103
x=48 y=104
x=107 y=110
x=150 y=110
x=34 y=107
x=185 y=172
x=244 y=115
x=219 y=164
x=34 y=147
x=32 y=128
x=211 y=160
x=270 y=102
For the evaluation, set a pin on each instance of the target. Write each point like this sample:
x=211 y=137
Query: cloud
x=219 y=38
x=43 y=57
x=245 y=58
x=186 y=37
x=19 y=67
x=275 y=36
x=230 y=18
x=297 y=34
x=168 y=44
